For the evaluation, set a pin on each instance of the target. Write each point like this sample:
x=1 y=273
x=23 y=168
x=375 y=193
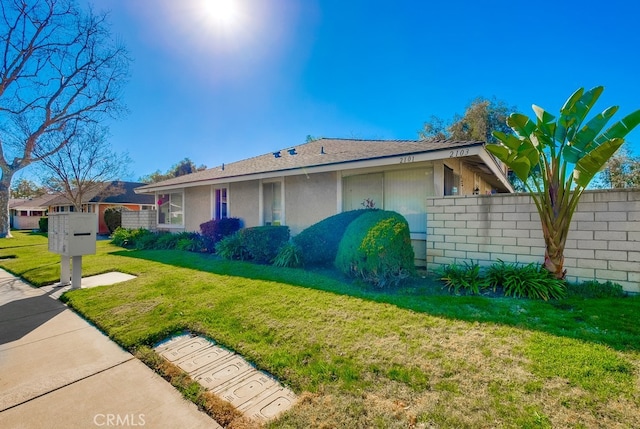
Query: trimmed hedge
x=376 y=247
x=319 y=243
x=260 y=244
x=216 y=229
x=43 y=224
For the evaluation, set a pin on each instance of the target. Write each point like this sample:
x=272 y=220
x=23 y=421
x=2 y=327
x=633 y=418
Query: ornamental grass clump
x=528 y=281
x=465 y=278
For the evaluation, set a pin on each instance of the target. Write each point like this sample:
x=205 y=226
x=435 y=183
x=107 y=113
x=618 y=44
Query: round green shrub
x=113 y=218
x=376 y=247
x=319 y=243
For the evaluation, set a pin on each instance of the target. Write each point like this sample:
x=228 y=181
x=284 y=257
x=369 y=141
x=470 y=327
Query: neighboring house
x=26 y=213
x=302 y=185
x=113 y=194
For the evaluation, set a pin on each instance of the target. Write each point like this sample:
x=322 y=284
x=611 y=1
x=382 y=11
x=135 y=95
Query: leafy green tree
x=622 y=170
x=24 y=188
x=569 y=152
x=186 y=166
x=481 y=117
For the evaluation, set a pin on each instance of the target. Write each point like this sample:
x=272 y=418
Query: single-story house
x=100 y=198
x=26 y=213
x=301 y=185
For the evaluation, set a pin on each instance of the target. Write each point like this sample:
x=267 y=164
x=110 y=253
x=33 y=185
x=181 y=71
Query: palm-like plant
x=568 y=154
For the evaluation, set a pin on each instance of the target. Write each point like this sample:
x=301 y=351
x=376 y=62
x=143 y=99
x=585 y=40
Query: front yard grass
x=417 y=357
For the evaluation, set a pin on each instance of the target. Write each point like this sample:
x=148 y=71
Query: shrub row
x=373 y=245
x=521 y=281
x=212 y=232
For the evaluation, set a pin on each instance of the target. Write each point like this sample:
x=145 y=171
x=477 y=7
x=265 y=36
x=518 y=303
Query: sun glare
x=222 y=14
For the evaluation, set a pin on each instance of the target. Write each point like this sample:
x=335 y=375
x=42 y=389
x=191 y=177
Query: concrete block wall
x=139 y=219
x=603 y=241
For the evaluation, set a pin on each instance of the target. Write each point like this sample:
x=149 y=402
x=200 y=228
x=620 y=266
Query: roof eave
x=384 y=160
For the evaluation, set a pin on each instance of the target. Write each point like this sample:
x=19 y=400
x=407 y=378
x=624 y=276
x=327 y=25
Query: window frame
x=158 y=197
x=215 y=203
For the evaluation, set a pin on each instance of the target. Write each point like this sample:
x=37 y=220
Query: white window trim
x=170 y=225
x=261 y=199
x=214 y=188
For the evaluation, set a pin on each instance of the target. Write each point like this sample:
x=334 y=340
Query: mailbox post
x=72 y=235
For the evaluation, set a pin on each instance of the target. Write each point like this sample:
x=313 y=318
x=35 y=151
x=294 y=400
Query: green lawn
x=363 y=359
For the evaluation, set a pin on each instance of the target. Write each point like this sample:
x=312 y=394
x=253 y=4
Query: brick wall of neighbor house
x=603 y=242
x=139 y=219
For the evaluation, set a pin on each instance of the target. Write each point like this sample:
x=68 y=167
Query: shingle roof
x=41 y=202
x=128 y=196
x=319 y=152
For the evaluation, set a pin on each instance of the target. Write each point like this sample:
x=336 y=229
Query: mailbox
x=72 y=234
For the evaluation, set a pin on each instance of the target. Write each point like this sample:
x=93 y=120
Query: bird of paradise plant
x=565 y=153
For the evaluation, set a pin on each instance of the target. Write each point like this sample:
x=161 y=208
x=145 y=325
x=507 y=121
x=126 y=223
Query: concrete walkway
x=56 y=370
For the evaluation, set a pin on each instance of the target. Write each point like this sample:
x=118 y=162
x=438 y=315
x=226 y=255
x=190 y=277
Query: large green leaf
x=571 y=101
x=509 y=140
x=572 y=154
x=546 y=124
x=580 y=109
x=584 y=138
x=499 y=151
x=621 y=128
x=521 y=168
x=521 y=124
x=589 y=165
x=520 y=164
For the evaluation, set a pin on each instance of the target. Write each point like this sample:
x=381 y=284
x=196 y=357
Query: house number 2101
x=406 y=159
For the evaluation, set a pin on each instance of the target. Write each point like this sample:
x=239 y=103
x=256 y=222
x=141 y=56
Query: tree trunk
x=554 y=261
x=5 y=188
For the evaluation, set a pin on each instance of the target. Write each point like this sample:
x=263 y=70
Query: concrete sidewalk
x=56 y=370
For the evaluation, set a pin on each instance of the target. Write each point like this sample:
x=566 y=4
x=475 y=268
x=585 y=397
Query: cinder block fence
x=603 y=242
x=139 y=219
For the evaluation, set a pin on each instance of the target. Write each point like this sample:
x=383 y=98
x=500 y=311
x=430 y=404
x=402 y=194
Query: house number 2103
x=459 y=152
x=406 y=159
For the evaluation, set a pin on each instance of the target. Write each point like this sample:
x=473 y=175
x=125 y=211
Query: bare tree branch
x=61 y=74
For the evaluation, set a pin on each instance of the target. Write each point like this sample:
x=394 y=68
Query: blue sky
x=275 y=71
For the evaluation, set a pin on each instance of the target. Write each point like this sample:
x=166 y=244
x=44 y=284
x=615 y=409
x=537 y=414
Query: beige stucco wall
x=244 y=202
x=309 y=199
x=197 y=203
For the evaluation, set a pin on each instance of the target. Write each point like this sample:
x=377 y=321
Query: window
x=406 y=192
x=170 y=209
x=272 y=203
x=403 y=191
x=451 y=182
x=220 y=211
x=362 y=191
